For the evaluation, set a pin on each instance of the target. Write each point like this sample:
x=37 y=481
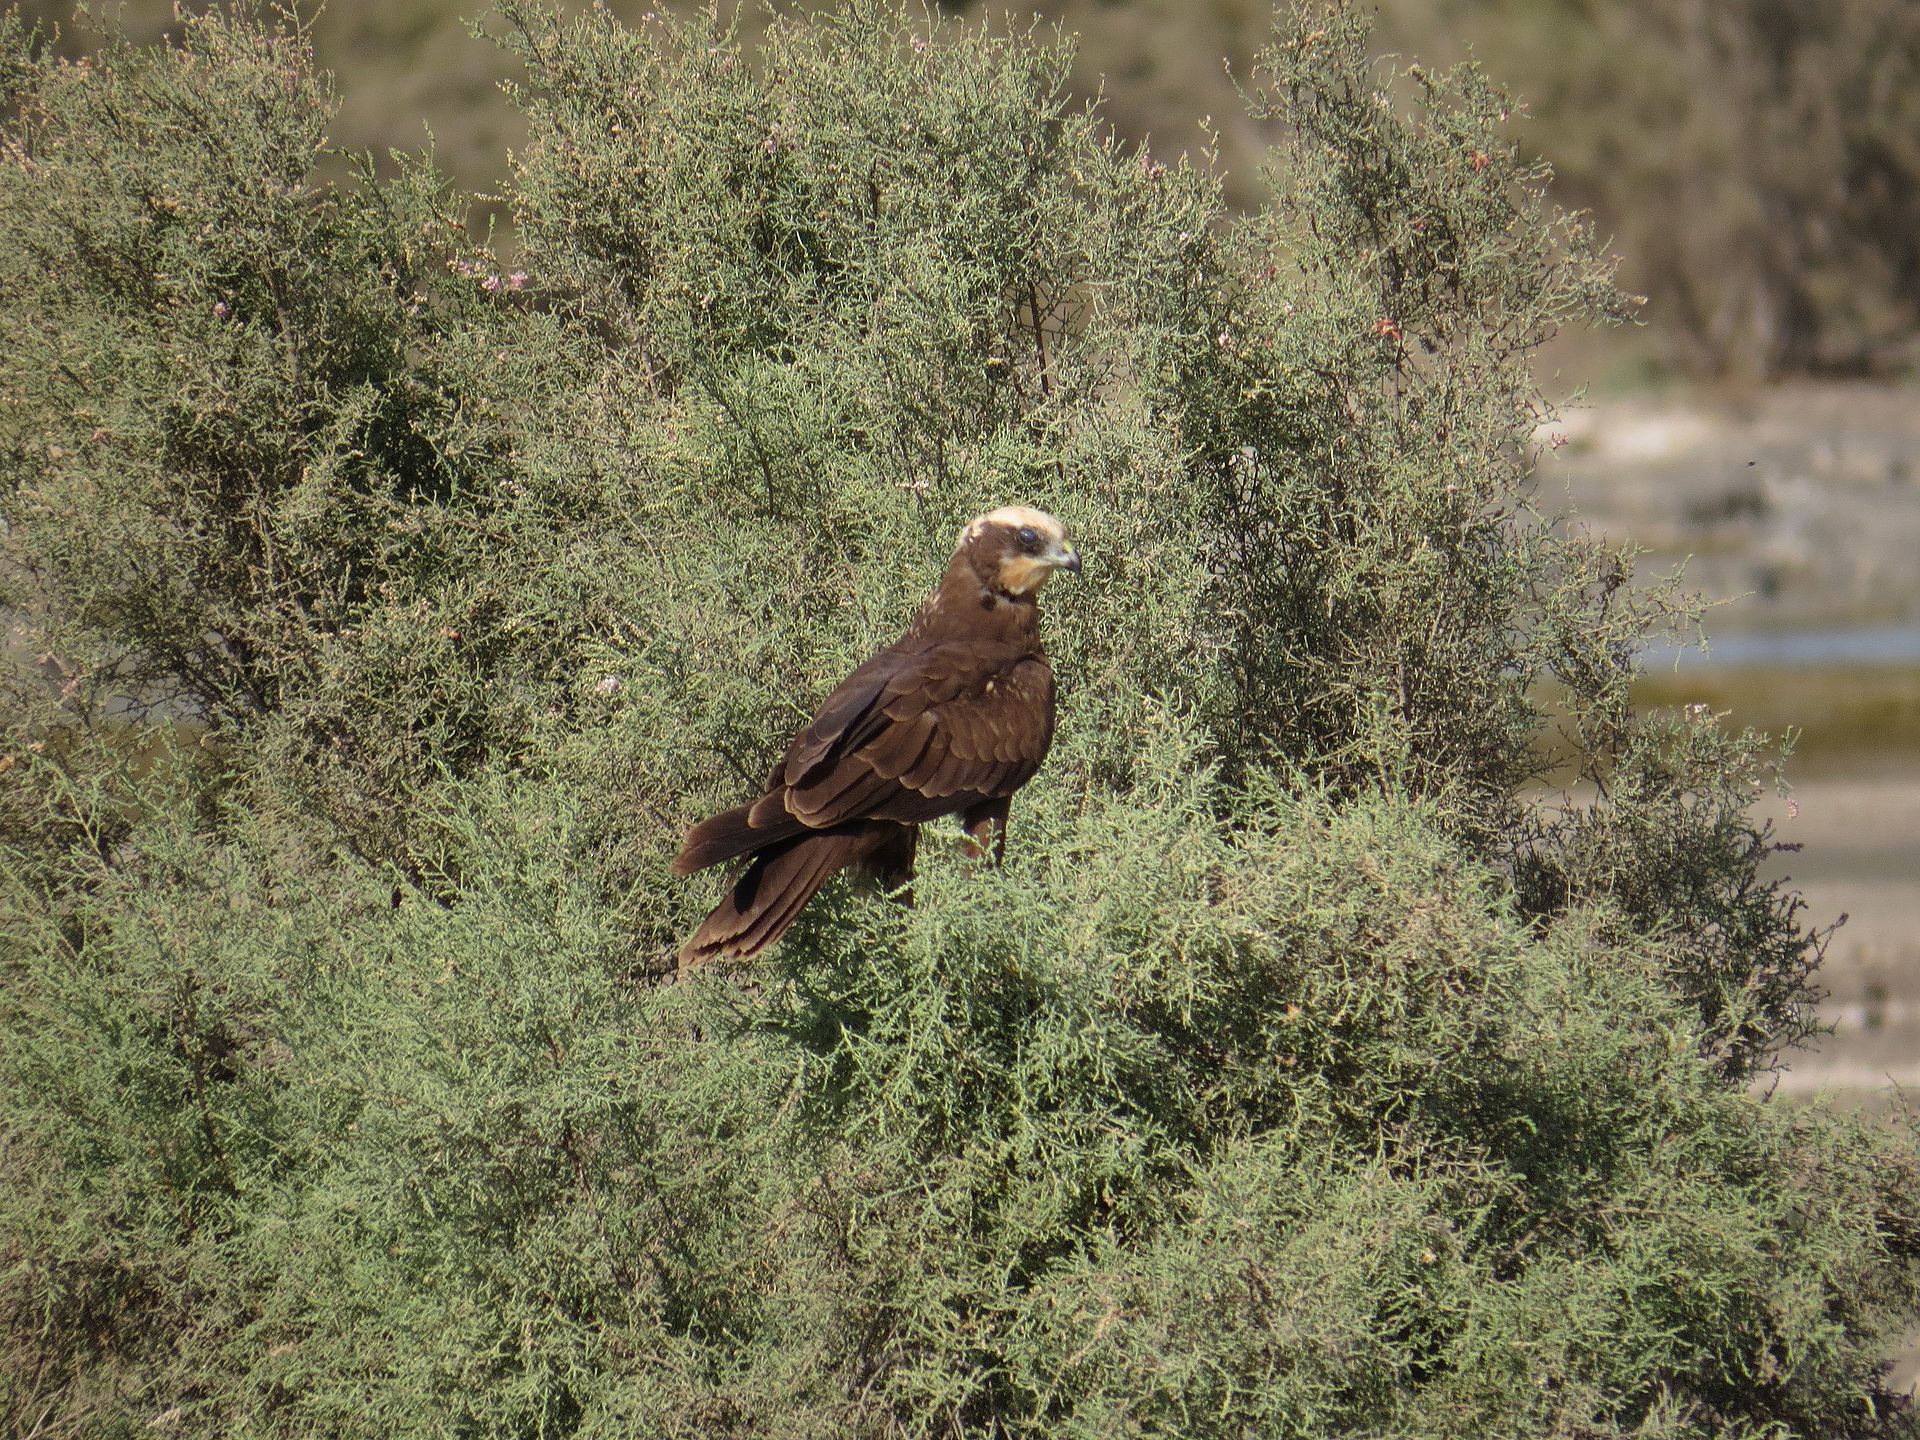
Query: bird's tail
x=728 y=836
x=771 y=892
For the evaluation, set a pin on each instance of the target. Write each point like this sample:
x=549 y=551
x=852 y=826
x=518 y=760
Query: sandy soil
x=1803 y=500
x=1861 y=858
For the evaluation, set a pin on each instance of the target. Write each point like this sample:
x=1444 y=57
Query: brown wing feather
x=850 y=791
x=898 y=748
x=848 y=718
x=954 y=724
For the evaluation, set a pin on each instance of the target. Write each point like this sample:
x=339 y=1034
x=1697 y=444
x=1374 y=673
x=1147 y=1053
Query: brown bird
x=954 y=716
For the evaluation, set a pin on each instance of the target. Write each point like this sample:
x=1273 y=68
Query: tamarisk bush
x=388 y=598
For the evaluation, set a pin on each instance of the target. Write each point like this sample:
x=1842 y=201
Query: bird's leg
x=986 y=828
x=892 y=863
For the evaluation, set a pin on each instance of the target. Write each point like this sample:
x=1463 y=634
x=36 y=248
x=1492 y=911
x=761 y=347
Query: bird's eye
x=1029 y=538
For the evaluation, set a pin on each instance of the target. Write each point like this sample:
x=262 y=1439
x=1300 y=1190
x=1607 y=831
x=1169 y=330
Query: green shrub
x=1303 y=1071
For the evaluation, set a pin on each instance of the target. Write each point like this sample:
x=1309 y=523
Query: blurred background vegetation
x=1757 y=165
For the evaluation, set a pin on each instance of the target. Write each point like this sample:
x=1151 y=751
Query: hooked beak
x=1066 y=558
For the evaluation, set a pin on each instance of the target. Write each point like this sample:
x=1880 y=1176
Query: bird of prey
x=953 y=717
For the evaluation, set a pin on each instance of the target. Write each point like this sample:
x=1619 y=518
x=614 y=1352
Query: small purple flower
x=609 y=684
x=517 y=280
x=220 y=310
x=490 y=284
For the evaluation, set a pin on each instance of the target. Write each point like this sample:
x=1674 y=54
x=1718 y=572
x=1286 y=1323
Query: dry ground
x=1798 y=506
x=1861 y=858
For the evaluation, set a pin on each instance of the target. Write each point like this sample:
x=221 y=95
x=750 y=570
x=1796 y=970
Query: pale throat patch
x=1024 y=574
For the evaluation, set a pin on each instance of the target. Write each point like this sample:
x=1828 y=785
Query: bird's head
x=1015 y=550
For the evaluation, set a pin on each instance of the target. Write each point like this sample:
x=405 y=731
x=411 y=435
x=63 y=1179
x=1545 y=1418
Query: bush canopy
x=1362 y=1035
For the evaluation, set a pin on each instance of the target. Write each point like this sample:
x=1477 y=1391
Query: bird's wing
x=919 y=736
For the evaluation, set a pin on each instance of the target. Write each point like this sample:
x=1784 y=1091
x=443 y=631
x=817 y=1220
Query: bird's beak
x=1066 y=558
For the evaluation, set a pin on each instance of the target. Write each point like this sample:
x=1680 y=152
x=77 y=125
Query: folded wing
x=908 y=737
x=946 y=728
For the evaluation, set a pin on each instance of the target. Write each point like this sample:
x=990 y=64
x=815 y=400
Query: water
x=1850 y=645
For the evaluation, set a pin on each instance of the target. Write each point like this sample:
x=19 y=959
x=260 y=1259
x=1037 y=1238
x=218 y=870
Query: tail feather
x=769 y=896
x=811 y=867
x=728 y=836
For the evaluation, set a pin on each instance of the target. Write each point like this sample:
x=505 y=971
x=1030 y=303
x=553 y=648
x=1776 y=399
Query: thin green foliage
x=1302 y=1072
